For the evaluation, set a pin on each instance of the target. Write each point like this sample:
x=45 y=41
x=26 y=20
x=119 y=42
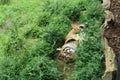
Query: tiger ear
x=58 y=49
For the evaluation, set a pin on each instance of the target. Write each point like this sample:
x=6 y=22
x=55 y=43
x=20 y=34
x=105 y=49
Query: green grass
x=4 y=2
x=38 y=27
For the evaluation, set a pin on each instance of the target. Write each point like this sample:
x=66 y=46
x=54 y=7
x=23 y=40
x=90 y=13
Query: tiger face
x=67 y=52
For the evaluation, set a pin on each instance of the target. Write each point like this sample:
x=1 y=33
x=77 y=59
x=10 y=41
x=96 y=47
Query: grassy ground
x=37 y=28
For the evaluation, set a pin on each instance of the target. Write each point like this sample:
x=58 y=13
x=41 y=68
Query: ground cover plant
x=37 y=28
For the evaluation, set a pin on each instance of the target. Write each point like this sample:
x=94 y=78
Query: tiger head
x=77 y=26
x=66 y=52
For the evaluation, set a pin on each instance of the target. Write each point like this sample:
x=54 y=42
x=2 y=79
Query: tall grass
x=3 y=2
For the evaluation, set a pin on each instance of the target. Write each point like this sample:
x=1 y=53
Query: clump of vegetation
x=38 y=27
x=3 y=2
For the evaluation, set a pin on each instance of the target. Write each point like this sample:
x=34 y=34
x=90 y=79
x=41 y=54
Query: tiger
x=72 y=41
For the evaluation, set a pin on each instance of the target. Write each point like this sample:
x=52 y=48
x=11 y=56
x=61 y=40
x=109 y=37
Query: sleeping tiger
x=72 y=41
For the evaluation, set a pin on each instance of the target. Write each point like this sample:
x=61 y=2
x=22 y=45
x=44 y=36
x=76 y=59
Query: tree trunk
x=110 y=61
x=111 y=39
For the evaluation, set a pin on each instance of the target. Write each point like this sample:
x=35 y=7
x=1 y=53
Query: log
x=110 y=61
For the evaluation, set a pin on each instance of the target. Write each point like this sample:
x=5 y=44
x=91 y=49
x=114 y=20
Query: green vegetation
x=37 y=28
x=3 y=2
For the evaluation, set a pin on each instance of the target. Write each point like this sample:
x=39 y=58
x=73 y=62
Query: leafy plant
x=40 y=68
x=4 y=2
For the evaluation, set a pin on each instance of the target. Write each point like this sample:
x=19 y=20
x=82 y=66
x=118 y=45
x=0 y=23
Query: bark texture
x=111 y=39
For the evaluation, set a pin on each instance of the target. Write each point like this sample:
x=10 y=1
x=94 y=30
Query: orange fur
x=72 y=40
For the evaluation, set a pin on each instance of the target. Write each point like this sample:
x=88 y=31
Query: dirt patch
x=5 y=25
x=65 y=69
